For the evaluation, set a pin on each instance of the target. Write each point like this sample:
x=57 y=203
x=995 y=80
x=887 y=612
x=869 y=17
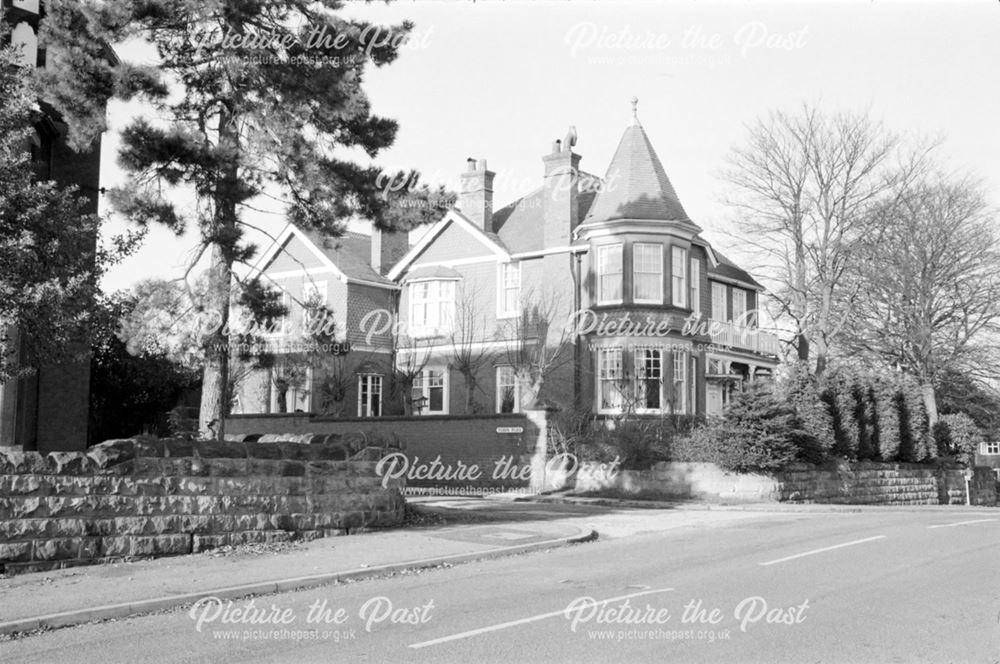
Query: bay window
x=609 y=376
x=609 y=274
x=678 y=267
x=647 y=273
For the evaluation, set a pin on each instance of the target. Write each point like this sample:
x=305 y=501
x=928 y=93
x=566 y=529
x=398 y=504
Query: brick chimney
x=476 y=199
x=387 y=249
x=560 y=205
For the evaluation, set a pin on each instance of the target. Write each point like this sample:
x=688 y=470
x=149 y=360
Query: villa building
x=588 y=292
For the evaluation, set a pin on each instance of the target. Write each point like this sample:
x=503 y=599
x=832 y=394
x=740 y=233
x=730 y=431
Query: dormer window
x=647 y=273
x=609 y=274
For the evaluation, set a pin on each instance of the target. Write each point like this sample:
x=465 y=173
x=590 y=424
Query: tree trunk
x=930 y=402
x=214 y=386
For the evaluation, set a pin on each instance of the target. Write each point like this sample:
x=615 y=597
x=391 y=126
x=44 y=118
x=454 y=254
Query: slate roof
x=519 y=225
x=637 y=186
x=730 y=270
x=351 y=253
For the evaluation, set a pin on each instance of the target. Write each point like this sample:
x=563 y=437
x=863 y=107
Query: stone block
x=111 y=453
x=201 y=543
x=56 y=549
x=220 y=450
x=15 y=552
x=115 y=546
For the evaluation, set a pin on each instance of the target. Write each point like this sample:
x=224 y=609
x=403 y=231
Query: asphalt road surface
x=847 y=587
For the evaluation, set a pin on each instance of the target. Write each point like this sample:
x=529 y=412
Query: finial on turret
x=635 y=110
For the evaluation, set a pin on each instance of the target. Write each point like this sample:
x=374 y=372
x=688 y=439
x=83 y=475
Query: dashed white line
x=960 y=523
x=826 y=548
x=531 y=619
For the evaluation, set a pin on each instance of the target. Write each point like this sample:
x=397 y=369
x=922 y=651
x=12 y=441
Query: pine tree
x=253 y=97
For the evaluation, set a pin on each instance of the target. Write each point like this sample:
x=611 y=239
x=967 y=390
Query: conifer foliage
x=253 y=97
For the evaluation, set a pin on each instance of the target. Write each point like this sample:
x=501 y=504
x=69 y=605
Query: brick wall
x=469 y=440
x=132 y=499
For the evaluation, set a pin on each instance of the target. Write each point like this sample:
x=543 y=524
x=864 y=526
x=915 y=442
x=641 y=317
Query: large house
x=591 y=292
x=48 y=410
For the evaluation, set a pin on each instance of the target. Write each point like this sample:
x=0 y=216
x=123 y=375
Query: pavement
x=449 y=531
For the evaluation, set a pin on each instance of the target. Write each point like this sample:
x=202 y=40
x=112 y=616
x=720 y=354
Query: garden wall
x=855 y=484
x=501 y=447
x=129 y=499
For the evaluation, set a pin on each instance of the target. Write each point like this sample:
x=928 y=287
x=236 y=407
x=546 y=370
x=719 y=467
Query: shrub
x=757 y=433
x=958 y=434
x=801 y=392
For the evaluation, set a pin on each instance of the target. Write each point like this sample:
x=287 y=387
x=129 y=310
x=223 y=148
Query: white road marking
x=826 y=548
x=524 y=621
x=960 y=523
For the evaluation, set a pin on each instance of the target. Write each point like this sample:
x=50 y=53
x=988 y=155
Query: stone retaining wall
x=856 y=484
x=131 y=499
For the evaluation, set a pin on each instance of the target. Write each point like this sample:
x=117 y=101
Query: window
x=509 y=292
x=719 y=302
x=739 y=306
x=282 y=326
x=429 y=393
x=648 y=379
x=609 y=362
x=695 y=285
x=989 y=448
x=432 y=306
x=647 y=273
x=680 y=381
x=508 y=396
x=678 y=268
x=369 y=396
x=609 y=274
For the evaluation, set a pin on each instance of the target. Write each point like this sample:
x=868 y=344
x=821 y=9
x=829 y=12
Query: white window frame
x=637 y=262
x=990 y=448
x=440 y=307
x=639 y=364
x=365 y=404
x=502 y=372
x=719 y=297
x=739 y=312
x=282 y=326
x=680 y=391
x=695 y=303
x=615 y=351
x=420 y=383
x=678 y=276
x=602 y=272
x=692 y=384
x=509 y=282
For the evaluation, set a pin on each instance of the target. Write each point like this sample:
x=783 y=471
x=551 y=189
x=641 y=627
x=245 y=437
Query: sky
x=502 y=80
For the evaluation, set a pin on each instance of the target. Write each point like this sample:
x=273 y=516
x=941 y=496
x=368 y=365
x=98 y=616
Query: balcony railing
x=744 y=338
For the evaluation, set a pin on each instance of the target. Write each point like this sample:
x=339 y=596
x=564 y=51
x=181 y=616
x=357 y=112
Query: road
x=801 y=587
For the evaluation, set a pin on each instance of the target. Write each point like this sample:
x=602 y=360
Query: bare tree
x=533 y=347
x=409 y=357
x=929 y=289
x=804 y=184
x=468 y=349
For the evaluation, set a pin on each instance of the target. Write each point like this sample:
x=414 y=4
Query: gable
x=453 y=243
x=294 y=255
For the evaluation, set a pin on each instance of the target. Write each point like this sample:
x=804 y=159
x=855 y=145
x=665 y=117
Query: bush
x=957 y=434
x=757 y=433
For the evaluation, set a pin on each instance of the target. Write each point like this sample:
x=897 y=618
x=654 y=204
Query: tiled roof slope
x=520 y=224
x=637 y=186
x=351 y=253
x=730 y=270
